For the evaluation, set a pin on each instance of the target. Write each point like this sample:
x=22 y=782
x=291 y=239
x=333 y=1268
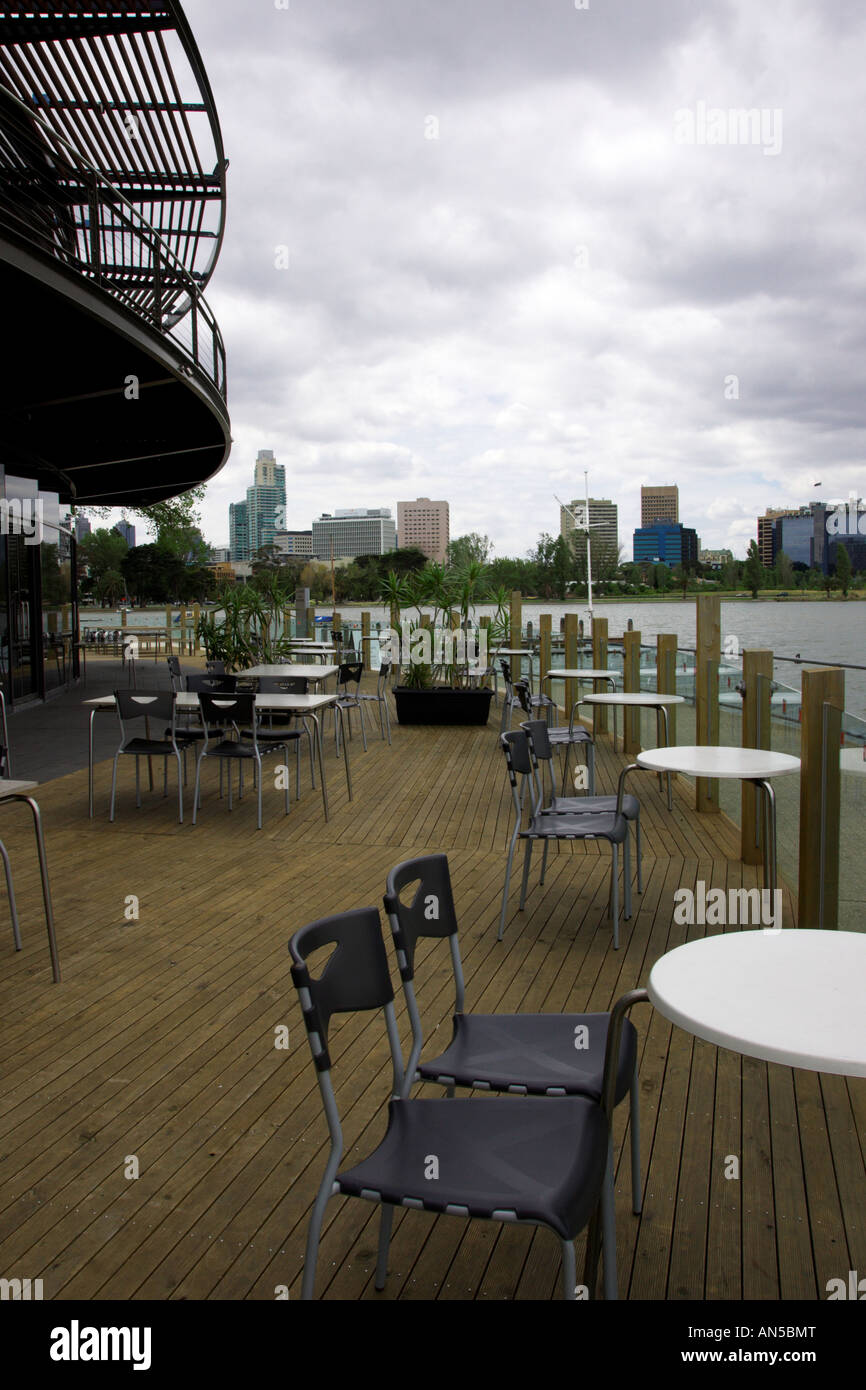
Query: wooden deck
x=159 y=1044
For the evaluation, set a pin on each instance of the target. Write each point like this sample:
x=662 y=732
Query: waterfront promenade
x=156 y=1055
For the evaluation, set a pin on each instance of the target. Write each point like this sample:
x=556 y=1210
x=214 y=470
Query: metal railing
x=54 y=201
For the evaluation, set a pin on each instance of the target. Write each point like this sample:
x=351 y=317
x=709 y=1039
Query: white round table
x=641 y=699
x=755 y=765
x=789 y=996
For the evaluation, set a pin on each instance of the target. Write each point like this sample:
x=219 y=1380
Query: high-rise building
x=350 y=532
x=123 y=528
x=253 y=524
x=666 y=543
x=800 y=532
x=659 y=504
x=82 y=527
x=239 y=531
x=603 y=523
x=425 y=524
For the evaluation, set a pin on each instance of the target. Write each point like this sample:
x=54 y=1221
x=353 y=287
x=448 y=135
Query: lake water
x=823 y=632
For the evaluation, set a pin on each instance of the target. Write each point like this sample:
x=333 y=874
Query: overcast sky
x=526 y=239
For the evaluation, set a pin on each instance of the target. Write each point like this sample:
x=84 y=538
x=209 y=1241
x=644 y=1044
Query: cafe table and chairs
x=315 y=674
x=11 y=790
x=754 y=765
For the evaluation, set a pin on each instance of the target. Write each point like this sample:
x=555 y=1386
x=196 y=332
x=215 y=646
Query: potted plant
x=436 y=658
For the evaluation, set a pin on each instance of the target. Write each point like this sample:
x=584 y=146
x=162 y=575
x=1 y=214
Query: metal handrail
x=155 y=272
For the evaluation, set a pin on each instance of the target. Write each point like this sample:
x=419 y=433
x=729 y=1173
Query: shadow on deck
x=159 y=1045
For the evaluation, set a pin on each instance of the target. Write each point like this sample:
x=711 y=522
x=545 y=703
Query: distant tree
x=843 y=568
x=153 y=574
x=100 y=551
x=406 y=560
x=463 y=549
x=784 y=571
x=753 y=572
x=110 y=587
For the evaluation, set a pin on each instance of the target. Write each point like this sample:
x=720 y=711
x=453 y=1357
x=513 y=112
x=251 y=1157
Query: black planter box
x=442 y=705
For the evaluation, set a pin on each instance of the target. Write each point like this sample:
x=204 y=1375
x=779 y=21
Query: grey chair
x=572 y=735
x=139 y=704
x=274 y=726
x=541 y=757
x=609 y=825
x=531 y=1054
x=380 y=699
x=350 y=673
x=541 y=1160
x=233 y=709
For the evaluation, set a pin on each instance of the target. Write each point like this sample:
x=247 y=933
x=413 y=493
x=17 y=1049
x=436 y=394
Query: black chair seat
x=562 y=734
x=264 y=734
x=151 y=747
x=543 y=1160
x=532 y=1052
x=563 y=827
x=231 y=748
x=574 y=805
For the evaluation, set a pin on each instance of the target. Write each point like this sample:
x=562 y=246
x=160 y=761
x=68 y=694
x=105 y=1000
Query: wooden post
x=335 y=623
x=757 y=679
x=169 y=648
x=366 y=647
x=545 y=630
x=708 y=654
x=571 y=687
x=599 y=661
x=196 y=619
x=516 y=629
x=631 y=684
x=311 y=620
x=666 y=677
x=820 y=788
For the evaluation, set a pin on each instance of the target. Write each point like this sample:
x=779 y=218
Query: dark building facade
x=112 y=204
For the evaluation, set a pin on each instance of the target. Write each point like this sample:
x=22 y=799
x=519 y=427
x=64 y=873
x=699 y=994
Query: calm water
x=823 y=632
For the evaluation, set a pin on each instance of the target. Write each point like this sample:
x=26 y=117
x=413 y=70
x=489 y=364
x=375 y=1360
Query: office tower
x=123 y=528
x=82 y=527
x=354 y=531
x=253 y=523
x=666 y=543
x=603 y=521
x=659 y=504
x=294 y=542
x=426 y=525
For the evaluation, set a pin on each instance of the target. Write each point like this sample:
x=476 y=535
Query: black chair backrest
x=173 y=663
x=521 y=690
x=145 y=704
x=286 y=685
x=431 y=911
x=505 y=667
x=228 y=707
x=216 y=668
x=350 y=671
x=211 y=684
x=539 y=739
x=516 y=747
x=355 y=977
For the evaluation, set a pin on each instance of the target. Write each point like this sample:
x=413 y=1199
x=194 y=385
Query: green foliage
x=102 y=550
x=753 y=570
x=246 y=630
x=843 y=567
x=464 y=550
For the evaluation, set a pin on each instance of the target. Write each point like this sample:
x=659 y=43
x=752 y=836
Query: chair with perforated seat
x=607 y=825
x=541 y=756
x=275 y=726
x=559 y=1054
x=541 y=1160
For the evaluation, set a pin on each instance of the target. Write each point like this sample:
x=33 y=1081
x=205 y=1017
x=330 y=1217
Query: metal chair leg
x=16 y=931
x=508 y=865
x=385 y=1222
x=634 y=1121
x=526 y=862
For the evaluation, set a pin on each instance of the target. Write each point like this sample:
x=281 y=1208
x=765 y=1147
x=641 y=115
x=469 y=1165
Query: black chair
x=235 y=710
x=572 y=735
x=380 y=699
x=541 y=752
x=215 y=668
x=536 y=1160
x=530 y=1054
x=610 y=825
x=175 y=674
x=350 y=673
x=275 y=726
x=147 y=705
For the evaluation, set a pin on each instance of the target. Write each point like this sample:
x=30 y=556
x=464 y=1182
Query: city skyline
x=497 y=314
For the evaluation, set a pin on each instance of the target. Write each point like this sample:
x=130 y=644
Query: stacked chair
x=541 y=1155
